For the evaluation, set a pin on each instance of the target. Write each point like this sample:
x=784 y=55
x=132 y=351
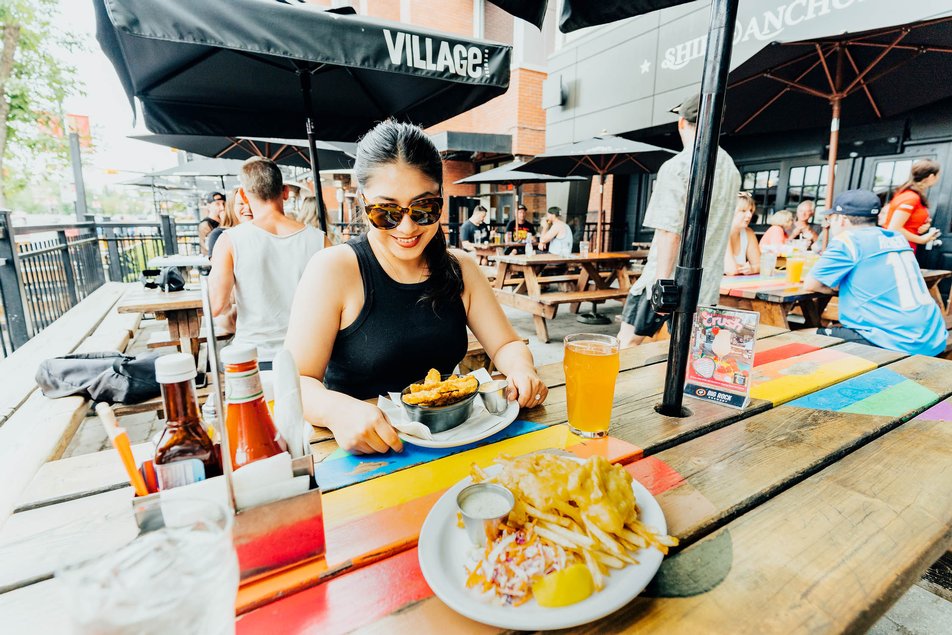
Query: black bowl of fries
x=440 y=402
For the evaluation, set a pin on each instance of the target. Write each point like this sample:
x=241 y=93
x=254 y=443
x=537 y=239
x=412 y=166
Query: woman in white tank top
x=742 y=256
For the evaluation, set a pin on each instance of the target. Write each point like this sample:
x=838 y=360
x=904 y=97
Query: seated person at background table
x=214 y=208
x=261 y=261
x=474 y=231
x=883 y=298
x=665 y=213
x=236 y=212
x=519 y=226
x=908 y=211
x=374 y=315
x=558 y=237
x=803 y=223
x=742 y=256
x=308 y=215
x=779 y=233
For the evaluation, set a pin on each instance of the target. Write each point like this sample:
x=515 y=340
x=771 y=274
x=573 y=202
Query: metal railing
x=47 y=269
x=44 y=270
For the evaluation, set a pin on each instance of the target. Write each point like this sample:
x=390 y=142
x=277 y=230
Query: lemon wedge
x=561 y=588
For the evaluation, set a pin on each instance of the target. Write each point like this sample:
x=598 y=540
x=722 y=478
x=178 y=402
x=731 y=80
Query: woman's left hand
x=527 y=389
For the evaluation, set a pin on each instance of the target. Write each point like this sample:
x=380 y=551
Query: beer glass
x=794 y=269
x=591 y=369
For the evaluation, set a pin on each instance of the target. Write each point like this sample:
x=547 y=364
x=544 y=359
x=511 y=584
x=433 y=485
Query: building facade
x=624 y=78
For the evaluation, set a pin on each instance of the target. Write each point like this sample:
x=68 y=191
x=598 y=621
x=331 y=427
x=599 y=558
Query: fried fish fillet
x=433 y=392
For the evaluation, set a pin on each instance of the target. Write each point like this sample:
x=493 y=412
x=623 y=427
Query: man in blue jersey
x=883 y=298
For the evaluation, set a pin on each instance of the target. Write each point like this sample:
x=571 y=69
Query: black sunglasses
x=425 y=211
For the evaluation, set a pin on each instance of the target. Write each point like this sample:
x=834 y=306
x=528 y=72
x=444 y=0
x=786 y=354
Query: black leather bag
x=166 y=278
x=647 y=321
x=109 y=376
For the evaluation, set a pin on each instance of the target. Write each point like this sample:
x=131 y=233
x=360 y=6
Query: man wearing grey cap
x=883 y=298
x=665 y=214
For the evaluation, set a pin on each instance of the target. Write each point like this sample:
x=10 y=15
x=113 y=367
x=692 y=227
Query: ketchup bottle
x=184 y=453
x=252 y=434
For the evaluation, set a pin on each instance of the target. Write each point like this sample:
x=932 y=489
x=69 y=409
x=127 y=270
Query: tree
x=34 y=81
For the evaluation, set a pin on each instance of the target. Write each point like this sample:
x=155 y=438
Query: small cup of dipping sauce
x=484 y=507
x=493 y=394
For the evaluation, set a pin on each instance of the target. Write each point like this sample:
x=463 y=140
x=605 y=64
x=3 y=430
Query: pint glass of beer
x=591 y=368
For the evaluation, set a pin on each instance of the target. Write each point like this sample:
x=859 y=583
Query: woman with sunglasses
x=374 y=315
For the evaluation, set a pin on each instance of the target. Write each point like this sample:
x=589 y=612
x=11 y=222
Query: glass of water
x=178 y=575
x=768 y=263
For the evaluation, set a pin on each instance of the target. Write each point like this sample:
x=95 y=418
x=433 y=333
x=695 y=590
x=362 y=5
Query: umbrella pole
x=688 y=272
x=834 y=150
x=836 y=103
x=312 y=146
x=601 y=213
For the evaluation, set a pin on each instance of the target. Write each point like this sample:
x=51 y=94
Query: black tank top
x=396 y=338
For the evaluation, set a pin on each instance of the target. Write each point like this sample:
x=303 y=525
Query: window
x=808 y=183
x=762 y=184
x=889 y=176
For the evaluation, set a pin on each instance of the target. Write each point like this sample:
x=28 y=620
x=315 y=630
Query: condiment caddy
x=272 y=491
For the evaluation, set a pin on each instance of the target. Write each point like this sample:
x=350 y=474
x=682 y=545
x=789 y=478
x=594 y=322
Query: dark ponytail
x=392 y=142
x=921 y=170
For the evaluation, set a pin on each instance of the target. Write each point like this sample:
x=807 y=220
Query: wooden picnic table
x=774 y=297
x=527 y=294
x=181 y=309
x=485 y=251
x=823 y=500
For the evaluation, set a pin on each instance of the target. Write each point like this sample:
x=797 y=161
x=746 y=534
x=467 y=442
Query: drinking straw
x=120 y=441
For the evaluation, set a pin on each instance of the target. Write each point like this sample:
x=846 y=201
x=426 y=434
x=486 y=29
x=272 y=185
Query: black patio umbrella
x=156 y=184
x=292 y=152
x=260 y=68
x=212 y=168
x=600 y=156
x=864 y=76
x=509 y=174
x=577 y=14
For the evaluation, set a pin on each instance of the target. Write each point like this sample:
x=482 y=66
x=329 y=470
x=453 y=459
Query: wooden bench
x=161 y=339
x=544 y=307
x=37 y=429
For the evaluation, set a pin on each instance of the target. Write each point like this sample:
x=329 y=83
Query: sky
x=107 y=107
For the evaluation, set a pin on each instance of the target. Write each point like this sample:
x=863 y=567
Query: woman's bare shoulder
x=335 y=264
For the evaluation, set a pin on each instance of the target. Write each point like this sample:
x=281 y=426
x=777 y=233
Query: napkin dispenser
x=267 y=536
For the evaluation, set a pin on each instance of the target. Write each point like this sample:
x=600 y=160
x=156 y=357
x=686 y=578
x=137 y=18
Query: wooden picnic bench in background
x=776 y=299
x=601 y=271
x=182 y=310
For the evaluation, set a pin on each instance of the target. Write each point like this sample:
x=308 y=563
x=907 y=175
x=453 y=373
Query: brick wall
x=454 y=171
x=518 y=112
x=450 y=16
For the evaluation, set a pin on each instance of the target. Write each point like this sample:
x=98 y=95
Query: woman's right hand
x=923 y=228
x=363 y=428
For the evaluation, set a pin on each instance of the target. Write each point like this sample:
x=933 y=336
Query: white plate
x=507 y=418
x=443 y=549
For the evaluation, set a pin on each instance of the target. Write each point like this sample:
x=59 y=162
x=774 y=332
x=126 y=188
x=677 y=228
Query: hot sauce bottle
x=252 y=434
x=184 y=453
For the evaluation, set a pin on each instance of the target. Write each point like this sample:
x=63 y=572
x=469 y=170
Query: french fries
x=587 y=509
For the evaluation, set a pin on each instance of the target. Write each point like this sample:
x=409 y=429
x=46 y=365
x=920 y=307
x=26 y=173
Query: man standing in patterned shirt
x=665 y=214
